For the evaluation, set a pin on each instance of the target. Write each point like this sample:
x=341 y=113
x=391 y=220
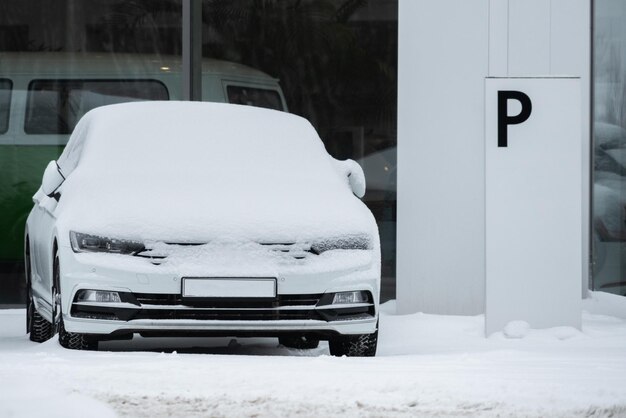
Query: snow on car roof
x=197 y=170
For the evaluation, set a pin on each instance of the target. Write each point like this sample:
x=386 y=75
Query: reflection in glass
x=336 y=62
x=56 y=106
x=56 y=63
x=269 y=99
x=609 y=138
x=331 y=61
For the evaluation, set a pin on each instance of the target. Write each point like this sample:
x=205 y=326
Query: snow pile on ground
x=516 y=329
x=427 y=365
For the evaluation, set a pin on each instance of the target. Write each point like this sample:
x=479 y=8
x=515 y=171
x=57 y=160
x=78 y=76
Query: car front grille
x=176 y=299
x=228 y=315
x=153 y=306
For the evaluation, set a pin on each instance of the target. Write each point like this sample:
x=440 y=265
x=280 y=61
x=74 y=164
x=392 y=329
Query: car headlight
x=96 y=244
x=350 y=297
x=349 y=242
x=105 y=296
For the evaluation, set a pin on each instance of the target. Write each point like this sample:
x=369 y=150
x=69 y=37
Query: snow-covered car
x=187 y=218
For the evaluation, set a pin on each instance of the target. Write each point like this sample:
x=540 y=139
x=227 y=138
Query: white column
x=443 y=59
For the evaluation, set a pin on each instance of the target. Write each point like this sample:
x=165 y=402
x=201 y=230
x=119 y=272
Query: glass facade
x=336 y=62
x=331 y=61
x=609 y=142
x=58 y=60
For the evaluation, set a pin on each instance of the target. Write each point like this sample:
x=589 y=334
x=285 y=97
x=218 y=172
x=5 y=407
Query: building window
x=332 y=62
x=53 y=55
x=336 y=63
x=269 y=99
x=609 y=142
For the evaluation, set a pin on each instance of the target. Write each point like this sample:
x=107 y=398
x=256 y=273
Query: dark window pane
x=74 y=42
x=269 y=99
x=5 y=105
x=336 y=65
x=609 y=139
x=55 y=106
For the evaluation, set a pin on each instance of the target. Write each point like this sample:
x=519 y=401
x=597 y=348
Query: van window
x=5 y=104
x=269 y=99
x=55 y=106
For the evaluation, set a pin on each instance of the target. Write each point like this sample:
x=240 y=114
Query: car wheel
x=75 y=341
x=38 y=327
x=71 y=340
x=363 y=345
x=301 y=342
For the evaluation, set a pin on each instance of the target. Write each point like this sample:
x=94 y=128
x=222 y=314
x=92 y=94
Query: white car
x=188 y=218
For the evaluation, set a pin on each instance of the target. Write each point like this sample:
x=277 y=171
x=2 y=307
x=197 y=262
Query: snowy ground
x=427 y=365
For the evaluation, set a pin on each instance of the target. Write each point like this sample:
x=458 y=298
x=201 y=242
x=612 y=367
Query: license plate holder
x=228 y=288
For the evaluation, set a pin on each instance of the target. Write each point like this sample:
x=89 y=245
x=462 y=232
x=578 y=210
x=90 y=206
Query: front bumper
x=152 y=303
x=109 y=330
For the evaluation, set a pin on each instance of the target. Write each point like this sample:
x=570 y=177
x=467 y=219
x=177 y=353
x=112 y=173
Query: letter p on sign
x=504 y=120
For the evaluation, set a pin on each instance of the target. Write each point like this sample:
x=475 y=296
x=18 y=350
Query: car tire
x=41 y=329
x=363 y=345
x=75 y=341
x=71 y=340
x=38 y=327
x=300 y=342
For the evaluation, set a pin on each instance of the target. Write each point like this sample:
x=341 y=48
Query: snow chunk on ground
x=516 y=329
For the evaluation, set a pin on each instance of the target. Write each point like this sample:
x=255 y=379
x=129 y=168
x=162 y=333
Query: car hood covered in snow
x=194 y=172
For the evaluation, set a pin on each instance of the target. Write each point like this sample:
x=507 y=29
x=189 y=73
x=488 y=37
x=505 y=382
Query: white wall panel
x=529 y=37
x=443 y=59
x=570 y=44
x=446 y=48
x=498 y=38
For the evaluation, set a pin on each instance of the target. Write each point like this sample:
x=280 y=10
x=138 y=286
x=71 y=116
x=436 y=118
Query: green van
x=44 y=94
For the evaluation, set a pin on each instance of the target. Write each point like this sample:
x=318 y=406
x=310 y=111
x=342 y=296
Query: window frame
x=243 y=84
x=10 y=96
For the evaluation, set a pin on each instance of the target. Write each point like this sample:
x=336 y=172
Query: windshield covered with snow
x=188 y=171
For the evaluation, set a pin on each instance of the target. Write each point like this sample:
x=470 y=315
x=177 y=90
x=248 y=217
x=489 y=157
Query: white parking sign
x=533 y=202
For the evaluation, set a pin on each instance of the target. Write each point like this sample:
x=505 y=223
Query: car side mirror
x=356 y=177
x=52 y=179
